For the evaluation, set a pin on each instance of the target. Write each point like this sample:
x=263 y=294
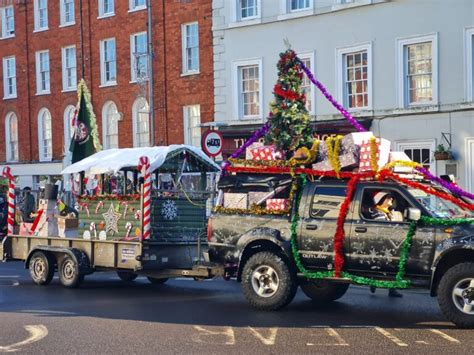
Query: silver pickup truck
x=257 y=250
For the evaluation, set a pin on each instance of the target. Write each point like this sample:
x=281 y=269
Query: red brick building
x=46 y=46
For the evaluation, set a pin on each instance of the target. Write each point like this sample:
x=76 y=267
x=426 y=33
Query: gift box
x=278 y=204
x=248 y=151
x=67 y=223
x=265 y=152
x=383 y=153
x=395 y=156
x=348 y=154
x=257 y=197
x=236 y=200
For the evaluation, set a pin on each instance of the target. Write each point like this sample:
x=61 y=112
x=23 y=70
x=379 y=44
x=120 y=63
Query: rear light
x=209 y=230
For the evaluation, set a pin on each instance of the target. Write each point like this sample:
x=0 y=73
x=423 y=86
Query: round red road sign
x=212 y=143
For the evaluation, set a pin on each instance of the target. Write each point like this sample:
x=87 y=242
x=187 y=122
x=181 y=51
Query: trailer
x=134 y=220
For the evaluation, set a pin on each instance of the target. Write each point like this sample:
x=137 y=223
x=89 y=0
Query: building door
x=470 y=164
x=420 y=152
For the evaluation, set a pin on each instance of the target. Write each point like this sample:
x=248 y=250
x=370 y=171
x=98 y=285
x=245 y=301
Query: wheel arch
x=79 y=256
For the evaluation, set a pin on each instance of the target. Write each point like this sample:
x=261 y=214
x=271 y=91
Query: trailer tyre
x=41 y=268
x=127 y=276
x=267 y=282
x=69 y=274
x=456 y=295
x=324 y=291
x=156 y=281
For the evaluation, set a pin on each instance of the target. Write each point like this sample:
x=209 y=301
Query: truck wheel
x=456 y=295
x=127 y=276
x=156 y=281
x=324 y=291
x=41 y=268
x=267 y=282
x=69 y=273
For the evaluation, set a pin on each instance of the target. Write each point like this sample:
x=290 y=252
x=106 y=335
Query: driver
x=383 y=208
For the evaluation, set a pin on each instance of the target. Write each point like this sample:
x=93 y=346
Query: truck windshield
x=439 y=207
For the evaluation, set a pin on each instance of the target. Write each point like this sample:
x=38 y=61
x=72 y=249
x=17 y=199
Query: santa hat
x=380 y=196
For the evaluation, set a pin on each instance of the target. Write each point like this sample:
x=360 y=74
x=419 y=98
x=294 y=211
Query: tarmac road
x=106 y=315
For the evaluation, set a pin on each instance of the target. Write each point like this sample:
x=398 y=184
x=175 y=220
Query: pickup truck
x=256 y=248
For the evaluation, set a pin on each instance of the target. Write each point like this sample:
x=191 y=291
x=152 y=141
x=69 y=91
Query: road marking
x=37 y=332
x=9 y=277
x=45 y=311
x=228 y=332
x=15 y=283
x=422 y=342
x=445 y=336
x=390 y=336
x=270 y=340
x=332 y=333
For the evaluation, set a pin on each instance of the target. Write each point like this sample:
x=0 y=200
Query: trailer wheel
x=127 y=276
x=69 y=274
x=156 y=281
x=324 y=291
x=267 y=282
x=41 y=268
x=456 y=295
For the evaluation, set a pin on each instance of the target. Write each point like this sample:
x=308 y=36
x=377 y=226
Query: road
x=108 y=316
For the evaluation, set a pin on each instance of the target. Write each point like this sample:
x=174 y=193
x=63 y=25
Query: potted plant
x=441 y=153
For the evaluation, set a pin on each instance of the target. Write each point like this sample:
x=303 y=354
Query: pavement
x=106 y=315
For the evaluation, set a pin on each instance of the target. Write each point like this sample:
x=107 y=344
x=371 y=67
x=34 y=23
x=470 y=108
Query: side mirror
x=414 y=214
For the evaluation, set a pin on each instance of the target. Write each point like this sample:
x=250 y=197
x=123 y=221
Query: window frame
x=47 y=90
x=65 y=68
x=313 y=194
x=37 y=18
x=103 y=79
x=236 y=67
x=106 y=124
x=133 y=8
x=41 y=155
x=237 y=11
x=133 y=74
x=4 y=29
x=310 y=55
x=62 y=11
x=292 y=11
x=184 y=68
x=340 y=75
x=68 y=127
x=403 y=95
x=6 y=94
x=188 y=137
x=103 y=14
x=135 y=113
x=8 y=136
x=469 y=63
x=419 y=144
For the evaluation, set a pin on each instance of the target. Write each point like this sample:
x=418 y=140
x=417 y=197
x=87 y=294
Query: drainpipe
x=165 y=116
x=151 y=81
x=30 y=158
x=81 y=26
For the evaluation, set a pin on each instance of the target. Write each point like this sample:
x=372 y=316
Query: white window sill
x=106 y=15
x=245 y=22
x=12 y=161
x=250 y=118
x=359 y=110
x=41 y=30
x=189 y=73
x=137 y=9
x=43 y=93
x=46 y=160
x=8 y=37
x=67 y=24
x=134 y=81
x=420 y=108
x=295 y=14
x=10 y=97
x=106 y=85
x=69 y=89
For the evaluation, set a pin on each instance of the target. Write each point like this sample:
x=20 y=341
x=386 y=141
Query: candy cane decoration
x=11 y=199
x=93 y=228
x=144 y=168
x=99 y=207
x=128 y=226
x=125 y=204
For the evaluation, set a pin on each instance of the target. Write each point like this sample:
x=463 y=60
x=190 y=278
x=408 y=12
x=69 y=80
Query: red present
x=278 y=204
x=266 y=152
x=383 y=152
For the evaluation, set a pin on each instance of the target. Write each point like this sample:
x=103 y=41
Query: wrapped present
x=265 y=152
x=396 y=156
x=383 y=152
x=236 y=200
x=258 y=197
x=278 y=204
x=248 y=151
x=348 y=154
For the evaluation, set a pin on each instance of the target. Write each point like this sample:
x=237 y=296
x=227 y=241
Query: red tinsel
x=286 y=94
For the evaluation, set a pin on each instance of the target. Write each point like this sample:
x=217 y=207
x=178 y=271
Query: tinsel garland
x=333 y=145
x=83 y=89
x=133 y=197
x=450 y=186
x=373 y=153
x=445 y=222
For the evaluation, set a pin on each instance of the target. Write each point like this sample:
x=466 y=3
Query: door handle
x=312 y=226
x=360 y=229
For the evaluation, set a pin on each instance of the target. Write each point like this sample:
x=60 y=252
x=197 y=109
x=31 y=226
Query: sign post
x=212 y=143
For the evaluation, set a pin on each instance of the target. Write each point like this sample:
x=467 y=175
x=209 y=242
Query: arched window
x=141 y=123
x=68 y=127
x=11 y=136
x=110 y=118
x=45 y=135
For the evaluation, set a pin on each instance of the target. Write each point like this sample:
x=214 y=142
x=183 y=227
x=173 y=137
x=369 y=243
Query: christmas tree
x=289 y=121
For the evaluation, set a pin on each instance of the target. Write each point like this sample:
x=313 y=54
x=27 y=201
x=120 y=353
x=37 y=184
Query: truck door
x=319 y=225
x=375 y=244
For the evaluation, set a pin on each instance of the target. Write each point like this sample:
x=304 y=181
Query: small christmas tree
x=289 y=121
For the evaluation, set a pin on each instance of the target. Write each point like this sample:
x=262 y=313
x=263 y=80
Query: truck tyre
x=324 y=291
x=267 y=282
x=69 y=274
x=41 y=268
x=156 y=281
x=456 y=295
x=127 y=276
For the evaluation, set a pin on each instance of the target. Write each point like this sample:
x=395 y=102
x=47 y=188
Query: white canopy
x=113 y=160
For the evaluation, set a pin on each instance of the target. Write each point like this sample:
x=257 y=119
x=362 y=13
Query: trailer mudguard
x=81 y=259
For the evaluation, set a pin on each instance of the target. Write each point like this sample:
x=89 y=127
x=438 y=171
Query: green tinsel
x=445 y=222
